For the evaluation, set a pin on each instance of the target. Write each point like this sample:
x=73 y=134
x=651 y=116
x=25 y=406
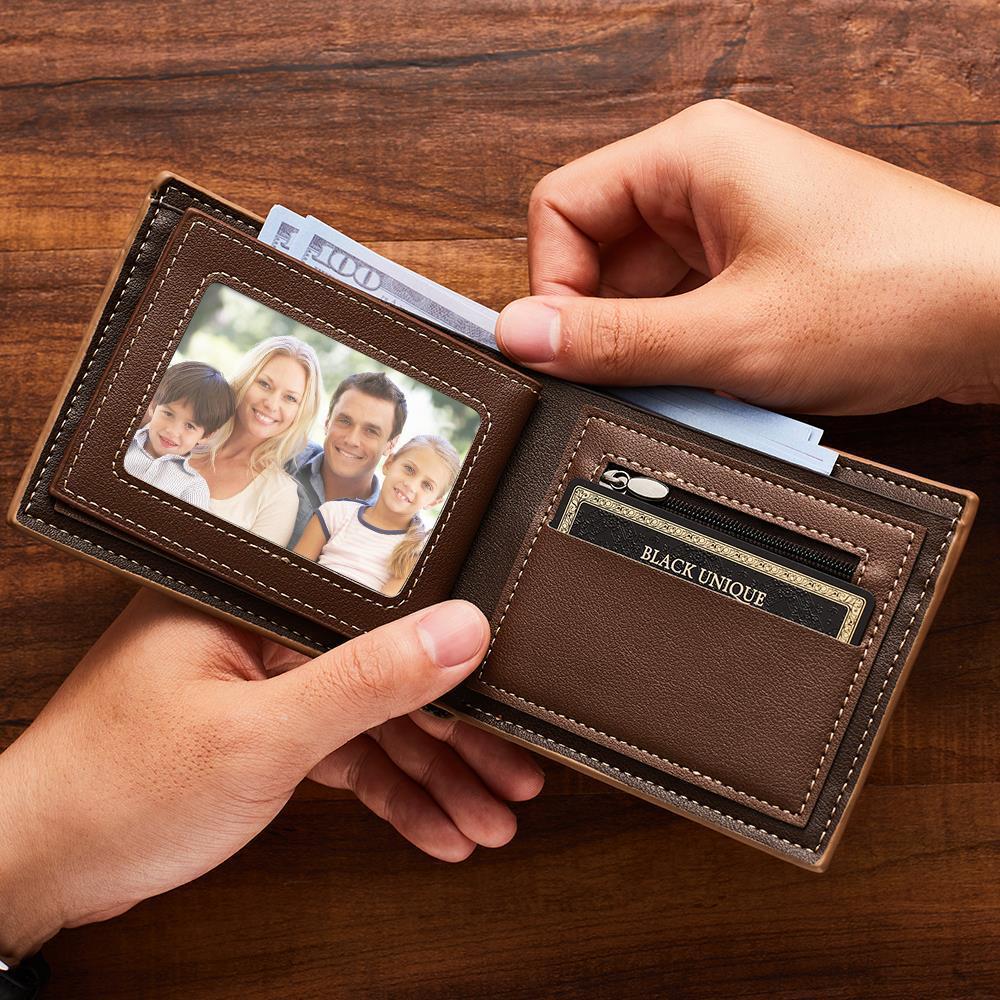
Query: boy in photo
x=378 y=544
x=191 y=403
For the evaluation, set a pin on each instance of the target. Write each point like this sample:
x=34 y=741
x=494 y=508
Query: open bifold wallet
x=714 y=630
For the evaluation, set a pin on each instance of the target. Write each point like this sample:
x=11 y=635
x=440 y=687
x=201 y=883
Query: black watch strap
x=24 y=981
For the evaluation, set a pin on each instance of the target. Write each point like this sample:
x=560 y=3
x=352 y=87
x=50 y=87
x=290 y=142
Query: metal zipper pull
x=617 y=479
x=650 y=490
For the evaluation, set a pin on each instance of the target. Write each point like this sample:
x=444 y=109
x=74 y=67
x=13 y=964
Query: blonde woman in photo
x=277 y=392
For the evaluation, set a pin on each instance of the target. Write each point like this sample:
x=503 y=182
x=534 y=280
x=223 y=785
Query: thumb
x=383 y=674
x=694 y=338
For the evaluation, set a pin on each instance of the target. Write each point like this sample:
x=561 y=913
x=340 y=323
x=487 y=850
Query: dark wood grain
x=422 y=130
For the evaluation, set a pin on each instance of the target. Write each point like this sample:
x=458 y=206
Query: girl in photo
x=378 y=544
x=277 y=395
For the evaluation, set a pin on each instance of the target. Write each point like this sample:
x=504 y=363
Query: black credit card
x=711 y=559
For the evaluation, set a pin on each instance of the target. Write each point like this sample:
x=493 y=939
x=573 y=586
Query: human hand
x=169 y=747
x=723 y=248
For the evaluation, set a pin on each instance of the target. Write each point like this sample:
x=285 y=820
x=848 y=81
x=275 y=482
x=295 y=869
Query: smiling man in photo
x=367 y=414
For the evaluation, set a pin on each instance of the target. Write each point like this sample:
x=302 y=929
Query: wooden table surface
x=421 y=129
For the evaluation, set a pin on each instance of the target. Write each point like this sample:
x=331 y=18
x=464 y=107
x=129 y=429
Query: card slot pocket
x=727 y=697
x=731 y=698
x=886 y=550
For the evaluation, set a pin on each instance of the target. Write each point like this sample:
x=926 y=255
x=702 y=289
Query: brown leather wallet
x=740 y=719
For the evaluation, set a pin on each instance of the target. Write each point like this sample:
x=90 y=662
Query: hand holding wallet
x=696 y=697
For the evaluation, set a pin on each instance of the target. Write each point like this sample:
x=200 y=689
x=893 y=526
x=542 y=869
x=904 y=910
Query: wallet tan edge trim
x=73 y=369
x=954 y=543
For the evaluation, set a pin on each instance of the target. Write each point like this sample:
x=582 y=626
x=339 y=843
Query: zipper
x=744 y=527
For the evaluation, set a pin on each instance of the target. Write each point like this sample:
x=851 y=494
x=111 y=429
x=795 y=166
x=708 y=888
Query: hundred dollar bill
x=326 y=249
x=329 y=251
x=280 y=228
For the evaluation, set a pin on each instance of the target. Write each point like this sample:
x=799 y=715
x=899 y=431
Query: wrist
x=30 y=908
x=24 y=926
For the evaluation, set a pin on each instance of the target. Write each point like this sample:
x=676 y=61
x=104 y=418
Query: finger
x=639 y=265
x=698 y=338
x=385 y=673
x=449 y=780
x=365 y=769
x=506 y=769
x=576 y=208
x=600 y=198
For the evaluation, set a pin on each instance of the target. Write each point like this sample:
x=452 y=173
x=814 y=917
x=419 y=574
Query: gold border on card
x=853 y=604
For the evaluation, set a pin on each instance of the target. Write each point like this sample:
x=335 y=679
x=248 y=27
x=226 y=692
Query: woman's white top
x=266 y=506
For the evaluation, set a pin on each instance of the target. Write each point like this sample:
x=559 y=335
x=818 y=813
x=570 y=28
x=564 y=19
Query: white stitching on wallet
x=604 y=765
x=197 y=200
x=548 y=741
x=748 y=475
x=850 y=688
x=415 y=578
x=903 y=486
x=308 y=640
x=124 y=358
x=90 y=363
x=861 y=663
x=321 y=577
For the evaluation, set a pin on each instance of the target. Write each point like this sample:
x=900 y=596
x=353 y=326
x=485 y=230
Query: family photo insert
x=283 y=431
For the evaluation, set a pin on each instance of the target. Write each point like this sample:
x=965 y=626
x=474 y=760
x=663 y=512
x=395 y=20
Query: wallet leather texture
x=754 y=725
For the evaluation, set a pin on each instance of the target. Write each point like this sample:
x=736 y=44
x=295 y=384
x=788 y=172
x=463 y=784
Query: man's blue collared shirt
x=307 y=471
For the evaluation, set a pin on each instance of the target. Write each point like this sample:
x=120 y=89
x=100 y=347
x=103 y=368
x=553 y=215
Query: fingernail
x=529 y=331
x=451 y=633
